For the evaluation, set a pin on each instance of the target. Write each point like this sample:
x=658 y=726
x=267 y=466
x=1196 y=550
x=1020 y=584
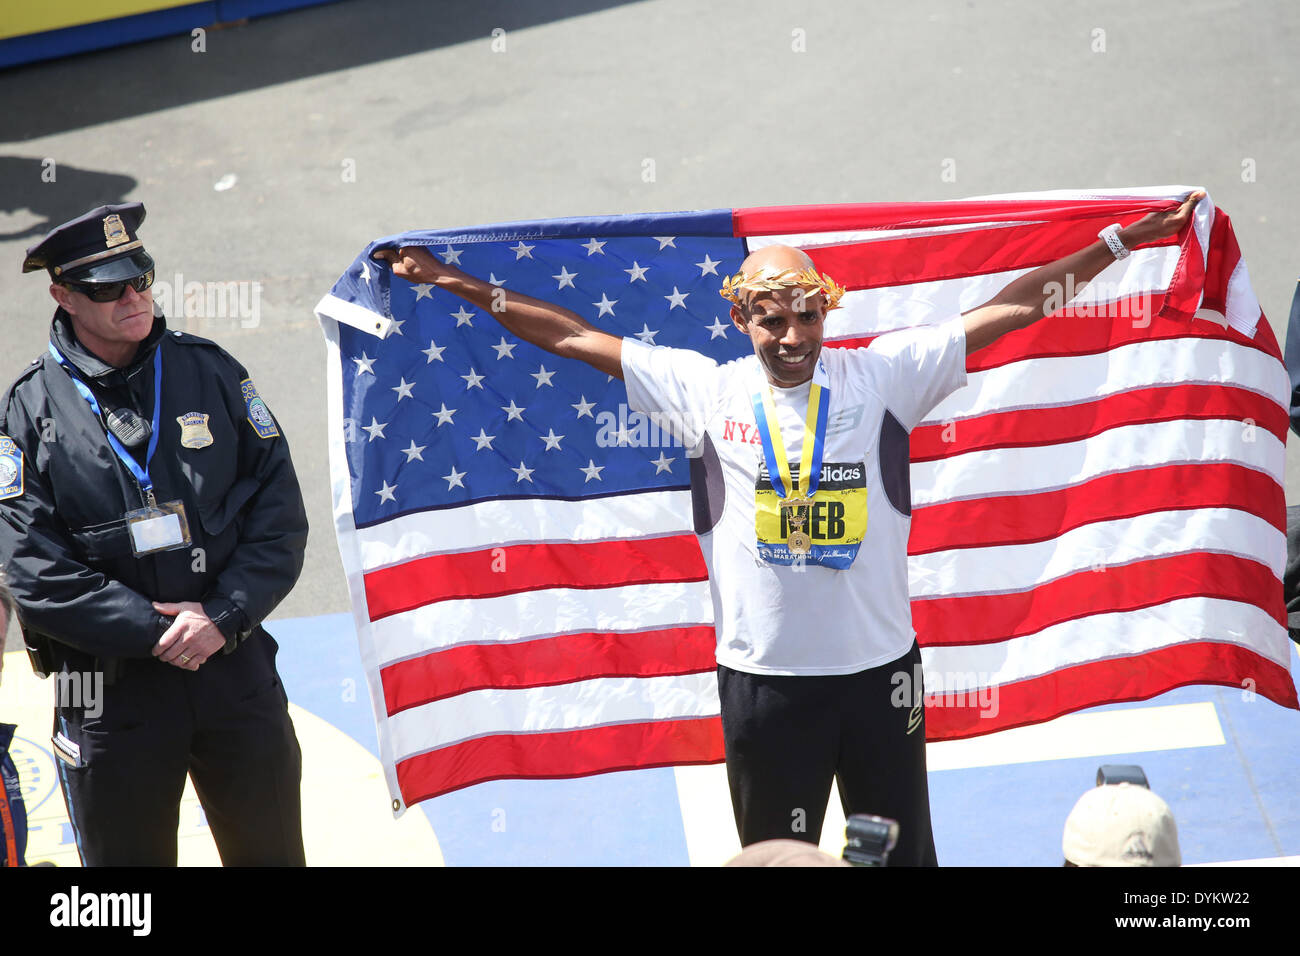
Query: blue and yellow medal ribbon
x=814 y=441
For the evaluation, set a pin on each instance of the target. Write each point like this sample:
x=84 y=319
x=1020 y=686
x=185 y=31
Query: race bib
x=835 y=521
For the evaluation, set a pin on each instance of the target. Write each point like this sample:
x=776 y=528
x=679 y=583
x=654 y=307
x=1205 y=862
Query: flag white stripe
x=517 y=617
x=1202 y=216
x=345 y=531
x=846 y=237
x=494 y=524
x=1242 y=305
x=1019 y=567
x=1098 y=637
x=877 y=311
x=1065 y=380
x=591 y=703
x=1032 y=468
x=907 y=305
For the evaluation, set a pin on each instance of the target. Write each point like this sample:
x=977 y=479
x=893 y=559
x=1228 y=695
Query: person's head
x=101 y=276
x=783 y=853
x=780 y=301
x=1121 y=824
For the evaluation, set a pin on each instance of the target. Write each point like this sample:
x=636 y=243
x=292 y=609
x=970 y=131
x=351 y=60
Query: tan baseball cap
x=1121 y=825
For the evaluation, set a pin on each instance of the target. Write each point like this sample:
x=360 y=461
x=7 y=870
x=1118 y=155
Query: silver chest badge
x=194 y=430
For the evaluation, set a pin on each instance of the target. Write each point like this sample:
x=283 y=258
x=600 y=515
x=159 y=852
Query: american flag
x=1098 y=515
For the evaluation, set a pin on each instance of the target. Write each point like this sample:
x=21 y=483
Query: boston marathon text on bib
x=835 y=519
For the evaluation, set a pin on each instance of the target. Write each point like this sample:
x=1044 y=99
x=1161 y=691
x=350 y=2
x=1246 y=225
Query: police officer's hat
x=100 y=246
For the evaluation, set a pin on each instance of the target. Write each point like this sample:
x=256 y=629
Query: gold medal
x=794 y=506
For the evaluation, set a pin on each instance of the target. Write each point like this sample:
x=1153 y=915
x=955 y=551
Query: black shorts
x=787 y=737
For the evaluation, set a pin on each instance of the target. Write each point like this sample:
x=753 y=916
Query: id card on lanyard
x=155 y=527
x=817 y=514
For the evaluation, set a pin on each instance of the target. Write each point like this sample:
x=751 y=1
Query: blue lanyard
x=141 y=474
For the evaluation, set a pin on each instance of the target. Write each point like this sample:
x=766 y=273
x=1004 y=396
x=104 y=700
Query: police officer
x=150 y=518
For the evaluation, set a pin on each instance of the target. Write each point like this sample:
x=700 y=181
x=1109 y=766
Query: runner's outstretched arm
x=544 y=324
x=1024 y=302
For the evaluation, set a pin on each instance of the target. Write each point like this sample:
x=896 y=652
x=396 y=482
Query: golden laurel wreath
x=769 y=278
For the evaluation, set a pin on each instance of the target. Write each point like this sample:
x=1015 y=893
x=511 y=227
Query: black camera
x=1112 y=773
x=868 y=839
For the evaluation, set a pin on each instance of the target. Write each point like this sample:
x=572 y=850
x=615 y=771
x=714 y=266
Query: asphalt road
x=275 y=154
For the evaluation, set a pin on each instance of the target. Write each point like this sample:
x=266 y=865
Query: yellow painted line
x=22 y=18
x=345 y=804
x=346 y=815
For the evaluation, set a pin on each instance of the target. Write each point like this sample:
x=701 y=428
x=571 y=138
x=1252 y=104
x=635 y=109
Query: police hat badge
x=114 y=231
x=98 y=246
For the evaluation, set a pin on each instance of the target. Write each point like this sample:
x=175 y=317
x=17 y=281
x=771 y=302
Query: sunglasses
x=111 y=291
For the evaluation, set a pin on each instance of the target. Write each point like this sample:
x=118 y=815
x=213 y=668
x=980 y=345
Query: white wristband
x=1110 y=235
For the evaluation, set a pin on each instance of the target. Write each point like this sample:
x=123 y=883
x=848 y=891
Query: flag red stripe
x=1075 y=331
x=957 y=255
x=993 y=618
x=794 y=220
x=1184 y=291
x=1221 y=261
x=1222 y=258
x=1264 y=339
x=509 y=569
x=567 y=753
x=1023 y=427
x=546 y=662
x=1139 y=677
x=1026 y=518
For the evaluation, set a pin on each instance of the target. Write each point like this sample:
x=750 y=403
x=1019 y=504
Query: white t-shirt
x=803 y=620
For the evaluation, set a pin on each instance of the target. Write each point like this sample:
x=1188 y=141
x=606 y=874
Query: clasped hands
x=192 y=638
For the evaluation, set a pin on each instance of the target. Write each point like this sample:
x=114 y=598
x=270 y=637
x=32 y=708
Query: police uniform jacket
x=64 y=539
